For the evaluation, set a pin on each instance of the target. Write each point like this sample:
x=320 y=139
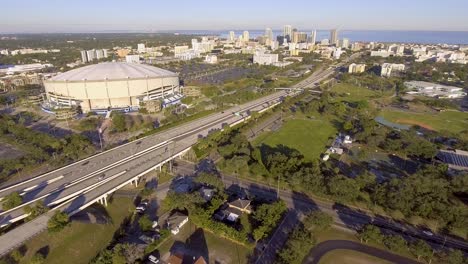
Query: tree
x=365 y=180
x=211 y=180
x=455 y=256
x=38 y=209
x=420 y=249
x=395 y=243
x=145 y=223
x=267 y=216
x=118 y=121
x=318 y=221
x=16 y=255
x=132 y=252
x=58 y=222
x=299 y=242
x=182 y=201
x=370 y=233
x=38 y=258
x=12 y=200
x=343 y=188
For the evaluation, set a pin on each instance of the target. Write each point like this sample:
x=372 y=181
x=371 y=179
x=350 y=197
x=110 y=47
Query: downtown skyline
x=116 y=16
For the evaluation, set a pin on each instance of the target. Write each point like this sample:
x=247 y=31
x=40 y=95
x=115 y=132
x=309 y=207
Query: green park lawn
x=310 y=137
x=453 y=121
x=220 y=250
x=351 y=93
x=80 y=242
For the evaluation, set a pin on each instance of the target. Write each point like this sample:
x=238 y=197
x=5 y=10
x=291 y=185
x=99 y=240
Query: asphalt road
x=317 y=252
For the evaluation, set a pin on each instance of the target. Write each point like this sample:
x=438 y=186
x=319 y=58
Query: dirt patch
x=416 y=123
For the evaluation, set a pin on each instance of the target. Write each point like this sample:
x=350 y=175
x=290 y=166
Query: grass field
x=308 y=136
x=452 y=121
x=80 y=242
x=220 y=250
x=351 y=93
x=344 y=256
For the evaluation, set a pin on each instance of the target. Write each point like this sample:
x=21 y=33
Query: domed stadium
x=112 y=85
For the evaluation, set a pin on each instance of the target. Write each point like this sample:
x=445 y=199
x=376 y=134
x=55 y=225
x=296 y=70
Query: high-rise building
x=287 y=32
x=232 y=36
x=105 y=53
x=299 y=37
x=99 y=54
x=334 y=37
x=313 y=37
x=91 y=54
x=245 y=36
x=345 y=43
x=84 y=58
x=268 y=35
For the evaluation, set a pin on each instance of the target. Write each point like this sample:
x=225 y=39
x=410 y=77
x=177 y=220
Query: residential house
x=176 y=221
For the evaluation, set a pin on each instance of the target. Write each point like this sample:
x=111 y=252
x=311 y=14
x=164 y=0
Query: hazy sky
x=144 y=15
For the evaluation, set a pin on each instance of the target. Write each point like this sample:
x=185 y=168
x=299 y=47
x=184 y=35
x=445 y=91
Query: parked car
x=141 y=208
x=153 y=259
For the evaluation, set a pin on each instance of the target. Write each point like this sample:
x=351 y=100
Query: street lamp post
x=100 y=139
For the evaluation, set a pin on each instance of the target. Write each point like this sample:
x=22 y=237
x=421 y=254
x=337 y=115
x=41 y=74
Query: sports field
x=308 y=136
x=453 y=121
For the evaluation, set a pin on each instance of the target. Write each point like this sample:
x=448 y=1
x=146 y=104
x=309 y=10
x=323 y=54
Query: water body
x=423 y=37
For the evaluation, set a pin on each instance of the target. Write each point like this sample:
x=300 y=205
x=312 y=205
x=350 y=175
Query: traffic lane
x=317 y=252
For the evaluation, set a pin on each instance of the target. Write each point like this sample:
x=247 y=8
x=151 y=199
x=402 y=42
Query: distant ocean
x=423 y=37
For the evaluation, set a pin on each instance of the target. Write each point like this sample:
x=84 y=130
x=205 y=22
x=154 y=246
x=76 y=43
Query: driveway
x=317 y=252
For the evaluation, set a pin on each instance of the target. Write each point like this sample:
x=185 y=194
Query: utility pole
x=277 y=190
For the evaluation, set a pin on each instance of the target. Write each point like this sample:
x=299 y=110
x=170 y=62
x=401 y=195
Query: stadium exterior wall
x=94 y=95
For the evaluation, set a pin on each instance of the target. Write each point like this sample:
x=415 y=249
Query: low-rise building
x=188 y=55
x=381 y=53
x=211 y=59
x=388 y=69
x=356 y=68
x=176 y=221
x=455 y=159
x=207 y=193
x=434 y=90
x=132 y=58
x=265 y=58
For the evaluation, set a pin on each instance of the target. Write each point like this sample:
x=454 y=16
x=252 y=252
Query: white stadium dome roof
x=113 y=71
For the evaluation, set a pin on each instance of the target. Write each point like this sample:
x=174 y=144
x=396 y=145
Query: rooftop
x=113 y=71
x=240 y=203
x=457 y=159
